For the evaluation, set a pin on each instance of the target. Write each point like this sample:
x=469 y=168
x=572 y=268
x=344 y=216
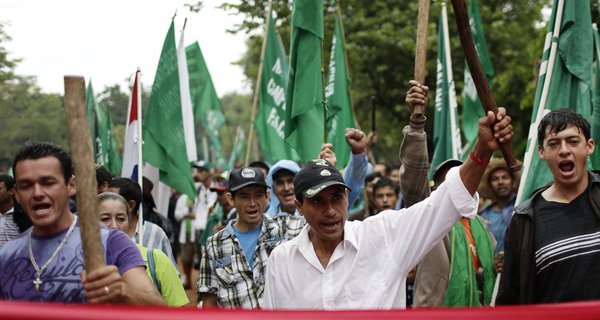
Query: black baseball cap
x=446 y=165
x=243 y=177
x=315 y=176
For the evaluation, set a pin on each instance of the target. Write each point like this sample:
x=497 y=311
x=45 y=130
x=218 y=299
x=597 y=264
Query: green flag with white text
x=339 y=116
x=206 y=104
x=472 y=109
x=565 y=81
x=270 y=119
x=304 y=115
x=446 y=135
x=163 y=135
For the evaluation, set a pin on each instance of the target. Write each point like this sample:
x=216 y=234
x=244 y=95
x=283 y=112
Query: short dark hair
x=103 y=174
x=9 y=181
x=371 y=176
x=386 y=182
x=558 y=120
x=259 y=164
x=128 y=189
x=38 y=150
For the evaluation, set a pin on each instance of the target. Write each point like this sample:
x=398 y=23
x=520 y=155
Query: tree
x=236 y=108
x=7 y=64
x=29 y=115
x=380 y=39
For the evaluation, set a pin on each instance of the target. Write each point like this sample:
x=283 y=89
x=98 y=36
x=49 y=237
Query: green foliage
x=380 y=38
x=7 y=64
x=237 y=109
x=28 y=115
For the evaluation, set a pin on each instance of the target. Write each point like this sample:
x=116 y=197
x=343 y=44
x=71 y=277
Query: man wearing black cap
x=335 y=264
x=234 y=259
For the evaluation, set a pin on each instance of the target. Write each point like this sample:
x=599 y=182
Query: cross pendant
x=37 y=282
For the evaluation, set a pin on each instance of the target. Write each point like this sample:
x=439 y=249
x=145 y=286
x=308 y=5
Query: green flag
x=238 y=146
x=270 y=119
x=339 y=116
x=112 y=157
x=446 y=135
x=163 y=136
x=565 y=81
x=93 y=122
x=472 y=109
x=304 y=123
x=596 y=93
x=206 y=104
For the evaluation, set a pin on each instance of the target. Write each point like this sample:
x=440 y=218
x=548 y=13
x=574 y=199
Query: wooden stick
x=421 y=47
x=85 y=172
x=373 y=113
x=478 y=75
x=257 y=85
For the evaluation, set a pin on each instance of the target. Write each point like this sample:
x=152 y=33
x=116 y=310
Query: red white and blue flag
x=132 y=148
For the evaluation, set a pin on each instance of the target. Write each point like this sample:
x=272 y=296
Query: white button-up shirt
x=368 y=269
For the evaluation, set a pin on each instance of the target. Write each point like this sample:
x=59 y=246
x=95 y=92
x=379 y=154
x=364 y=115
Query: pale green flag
x=446 y=135
x=270 y=118
x=565 y=81
x=472 y=109
x=163 y=136
x=304 y=115
x=238 y=146
x=339 y=116
x=206 y=104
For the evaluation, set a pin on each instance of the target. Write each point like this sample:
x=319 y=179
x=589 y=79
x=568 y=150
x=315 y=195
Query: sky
x=107 y=40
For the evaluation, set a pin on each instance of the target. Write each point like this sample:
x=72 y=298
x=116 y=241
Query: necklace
x=38 y=271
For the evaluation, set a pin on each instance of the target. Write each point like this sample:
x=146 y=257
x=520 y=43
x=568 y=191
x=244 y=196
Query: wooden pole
x=85 y=172
x=323 y=100
x=257 y=85
x=478 y=75
x=421 y=47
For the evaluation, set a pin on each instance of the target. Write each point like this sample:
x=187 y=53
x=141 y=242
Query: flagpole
x=421 y=47
x=323 y=102
x=139 y=153
x=257 y=85
x=450 y=79
x=544 y=96
x=356 y=124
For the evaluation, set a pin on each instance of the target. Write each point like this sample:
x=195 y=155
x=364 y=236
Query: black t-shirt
x=567 y=250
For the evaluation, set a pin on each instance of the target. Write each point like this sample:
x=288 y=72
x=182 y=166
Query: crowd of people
x=286 y=236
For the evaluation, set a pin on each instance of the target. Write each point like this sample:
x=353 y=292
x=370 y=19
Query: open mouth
x=252 y=213
x=566 y=166
x=41 y=207
x=331 y=226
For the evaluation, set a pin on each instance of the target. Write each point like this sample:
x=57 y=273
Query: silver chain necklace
x=38 y=271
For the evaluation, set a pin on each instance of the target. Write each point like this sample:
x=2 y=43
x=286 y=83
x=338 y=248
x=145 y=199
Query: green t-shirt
x=171 y=288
